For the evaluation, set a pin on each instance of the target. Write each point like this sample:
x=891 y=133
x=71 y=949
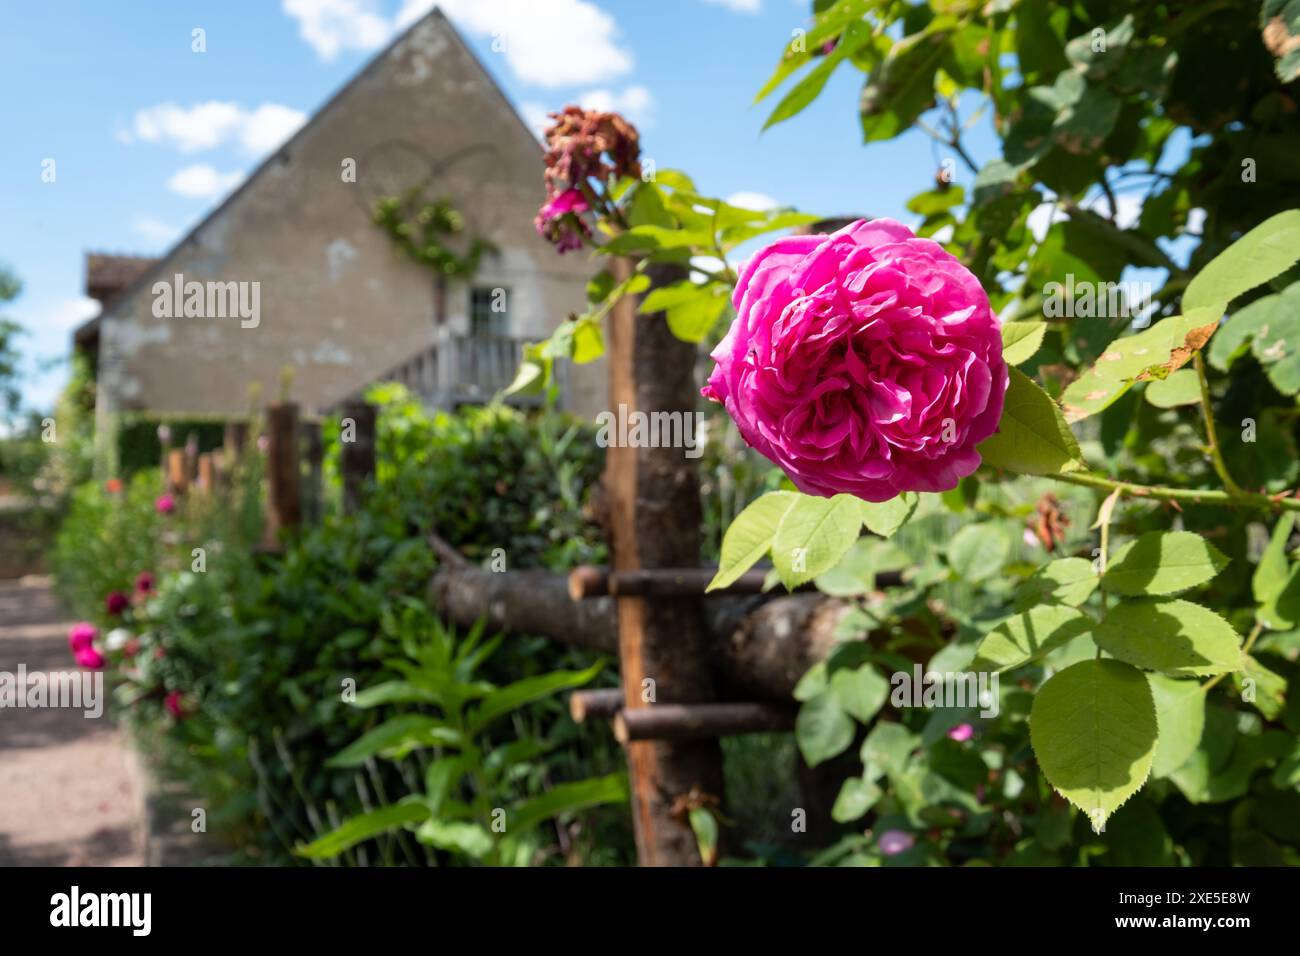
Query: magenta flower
x=560 y=222
x=116 y=602
x=175 y=704
x=144 y=582
x=89 y=658
x=961 y=733
x=894 y=842
x=165 y=504
x=82 y=635
x=867 y=361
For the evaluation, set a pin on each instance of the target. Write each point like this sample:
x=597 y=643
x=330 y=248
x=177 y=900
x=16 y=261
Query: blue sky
x=147 y=135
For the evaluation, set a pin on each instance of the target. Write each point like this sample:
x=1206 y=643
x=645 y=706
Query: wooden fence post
x=356 y=456
x=653 y=497
x=235 y=440
x=283 y=475
x=207 y=473
x=178 y=473
x=314 y=453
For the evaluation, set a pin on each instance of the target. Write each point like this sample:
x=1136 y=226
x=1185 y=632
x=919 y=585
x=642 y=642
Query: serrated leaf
x=749 y=537
x=1266 y=251
x=1033 y=437
x=1275 y=584
x=1161 y=562
x=978 y=551
x=886 y=517
x=1093 y=730
x=1180 y=717
x=823 y=729
x=1021 y=340
x=1065 y=581
x=1175 y=637
x=1027 y=637
x=813 y=535
x=1127 y=358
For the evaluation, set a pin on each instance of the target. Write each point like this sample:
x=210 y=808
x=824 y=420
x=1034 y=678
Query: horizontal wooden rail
x=701 y=721
x=588 y=581
x=596 y=704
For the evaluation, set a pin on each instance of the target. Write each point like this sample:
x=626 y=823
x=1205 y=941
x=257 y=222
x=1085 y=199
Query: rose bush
x=866 y=362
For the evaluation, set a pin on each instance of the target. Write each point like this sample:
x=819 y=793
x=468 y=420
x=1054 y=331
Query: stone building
x=293 y=272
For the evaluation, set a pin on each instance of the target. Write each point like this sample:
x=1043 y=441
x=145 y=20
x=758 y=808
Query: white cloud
x=549 y=43
x=749 y=200
x=635 y=102
x=211 y=124
x=201 y=181
x=331 y=26
x=738 y=6
x=155 y=231
x=64 y=315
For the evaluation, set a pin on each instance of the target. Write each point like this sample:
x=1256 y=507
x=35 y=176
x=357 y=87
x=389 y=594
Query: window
x=489 y=312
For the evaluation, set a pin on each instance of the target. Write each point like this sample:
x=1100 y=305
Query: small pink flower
x=894 y=842
x=144 y=582
x=165 y=504
x=116 y=602
x=82 y=635
x=552 y=224
x=175 y=704
x=90 y=658
x=961 y=733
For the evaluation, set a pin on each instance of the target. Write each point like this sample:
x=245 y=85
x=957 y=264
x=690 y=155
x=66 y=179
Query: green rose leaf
x=1021 y=340
x=1276 y=584
x=1033 y=437
x=857 y=796
x=886 y=517
x=1180 y=388
x=750 y=536
x=823 y=729
x=978 y=551
x=813 y=535
x=1180 y=715
x=1093 y=730
x=1175 y=637
x=1162 y=563
x=1127 y=358
x=1028 y=636
x=1266 y=251
x=860 y=692
x=1065 y=581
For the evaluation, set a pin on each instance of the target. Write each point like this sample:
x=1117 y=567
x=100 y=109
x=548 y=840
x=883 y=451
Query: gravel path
x=67 y=797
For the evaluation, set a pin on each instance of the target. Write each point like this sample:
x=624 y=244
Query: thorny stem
x=1195 y=496
x=1211 y=433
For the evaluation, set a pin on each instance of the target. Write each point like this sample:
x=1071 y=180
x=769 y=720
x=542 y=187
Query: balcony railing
x=463 y=370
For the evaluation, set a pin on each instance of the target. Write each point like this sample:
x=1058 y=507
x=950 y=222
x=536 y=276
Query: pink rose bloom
x=175 y=704
x=116 y=602
x=89 y=658
x=144 y=582
x=552 y=225
x=165 y=504
x=867 y=361
x=961 y=733
x=894 y=842
x=81 y=635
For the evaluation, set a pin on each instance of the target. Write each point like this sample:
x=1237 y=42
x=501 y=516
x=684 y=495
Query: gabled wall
x=339 y=303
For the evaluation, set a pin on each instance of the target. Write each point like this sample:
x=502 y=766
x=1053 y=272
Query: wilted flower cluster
x=582 y=147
